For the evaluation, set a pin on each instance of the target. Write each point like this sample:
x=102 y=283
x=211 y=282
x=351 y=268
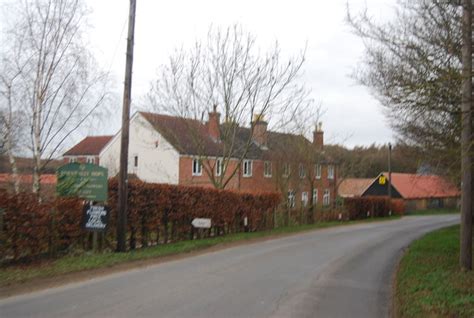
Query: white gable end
x=150 y=156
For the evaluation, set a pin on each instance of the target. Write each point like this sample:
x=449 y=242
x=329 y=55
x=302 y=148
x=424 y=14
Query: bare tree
x=9 y=122
x=420 y=68
x=57 y=86
x=228 y=75
x=412 y=64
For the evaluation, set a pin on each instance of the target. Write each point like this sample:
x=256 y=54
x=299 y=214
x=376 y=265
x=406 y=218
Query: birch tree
x=9 y=122
x=58 y=86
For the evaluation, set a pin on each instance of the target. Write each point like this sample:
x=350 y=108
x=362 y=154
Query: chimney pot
x=318 y=136
x=259 y=131
x=213 y=124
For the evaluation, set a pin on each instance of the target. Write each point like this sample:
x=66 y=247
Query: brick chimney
x=259 y=133
x=318 y=136
x=213 y=124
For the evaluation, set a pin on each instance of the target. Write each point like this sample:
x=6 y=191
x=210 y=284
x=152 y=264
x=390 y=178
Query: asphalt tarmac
x=345 y=271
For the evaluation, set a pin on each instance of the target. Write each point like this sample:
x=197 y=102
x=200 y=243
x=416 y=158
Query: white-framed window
x=219 y=167
x=330 y=172
x=291 y=198
x=135 y=161
x=72 y=159
x=304 y=199
x=90 y=160
x=326 y=197
x=302 y=171
x=197 y=167
x=247 y=168
x=286 y=170
x=317 y=171
x=315 y=196
x=267 y=169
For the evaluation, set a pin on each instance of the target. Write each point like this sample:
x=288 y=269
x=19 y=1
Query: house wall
x=158 y=161
x=431 y=203
x=258 y=182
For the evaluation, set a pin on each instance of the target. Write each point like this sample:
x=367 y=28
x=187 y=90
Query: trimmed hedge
x=29 y=229
x=163 y=213
x=158 y=213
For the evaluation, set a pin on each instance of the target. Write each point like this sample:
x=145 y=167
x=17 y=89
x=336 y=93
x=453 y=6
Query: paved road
x=338 y=272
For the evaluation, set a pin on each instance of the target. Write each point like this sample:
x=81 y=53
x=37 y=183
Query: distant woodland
x=369 y=161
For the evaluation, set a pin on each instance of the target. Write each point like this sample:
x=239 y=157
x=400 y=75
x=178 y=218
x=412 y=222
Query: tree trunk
x=12 y=160
x=465 y=257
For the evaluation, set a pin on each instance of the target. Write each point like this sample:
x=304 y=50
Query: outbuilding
x=419 y=192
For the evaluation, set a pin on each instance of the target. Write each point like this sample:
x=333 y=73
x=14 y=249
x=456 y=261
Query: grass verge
x=433 y=211
x=88 y=261
x=429 y=282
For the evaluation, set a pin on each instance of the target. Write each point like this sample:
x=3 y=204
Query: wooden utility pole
x=390 y=173
x=465 y=258
x=123 y=171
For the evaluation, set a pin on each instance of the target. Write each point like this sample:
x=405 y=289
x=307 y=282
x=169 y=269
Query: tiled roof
x=413 y=186
x=191 y=137
x=188 y=136
x=25 y=165
x=89 y=146
x=352 y=187
x=28 y=178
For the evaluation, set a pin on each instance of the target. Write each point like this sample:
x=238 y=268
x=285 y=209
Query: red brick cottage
x=175 y=150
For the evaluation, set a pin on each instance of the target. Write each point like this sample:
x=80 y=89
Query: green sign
x=86 y=181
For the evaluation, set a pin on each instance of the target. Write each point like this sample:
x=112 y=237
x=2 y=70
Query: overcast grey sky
x=352 y=117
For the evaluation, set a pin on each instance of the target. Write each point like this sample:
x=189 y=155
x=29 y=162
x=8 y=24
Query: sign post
x=201 y=223
x=95 y=217
x=87 y=181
